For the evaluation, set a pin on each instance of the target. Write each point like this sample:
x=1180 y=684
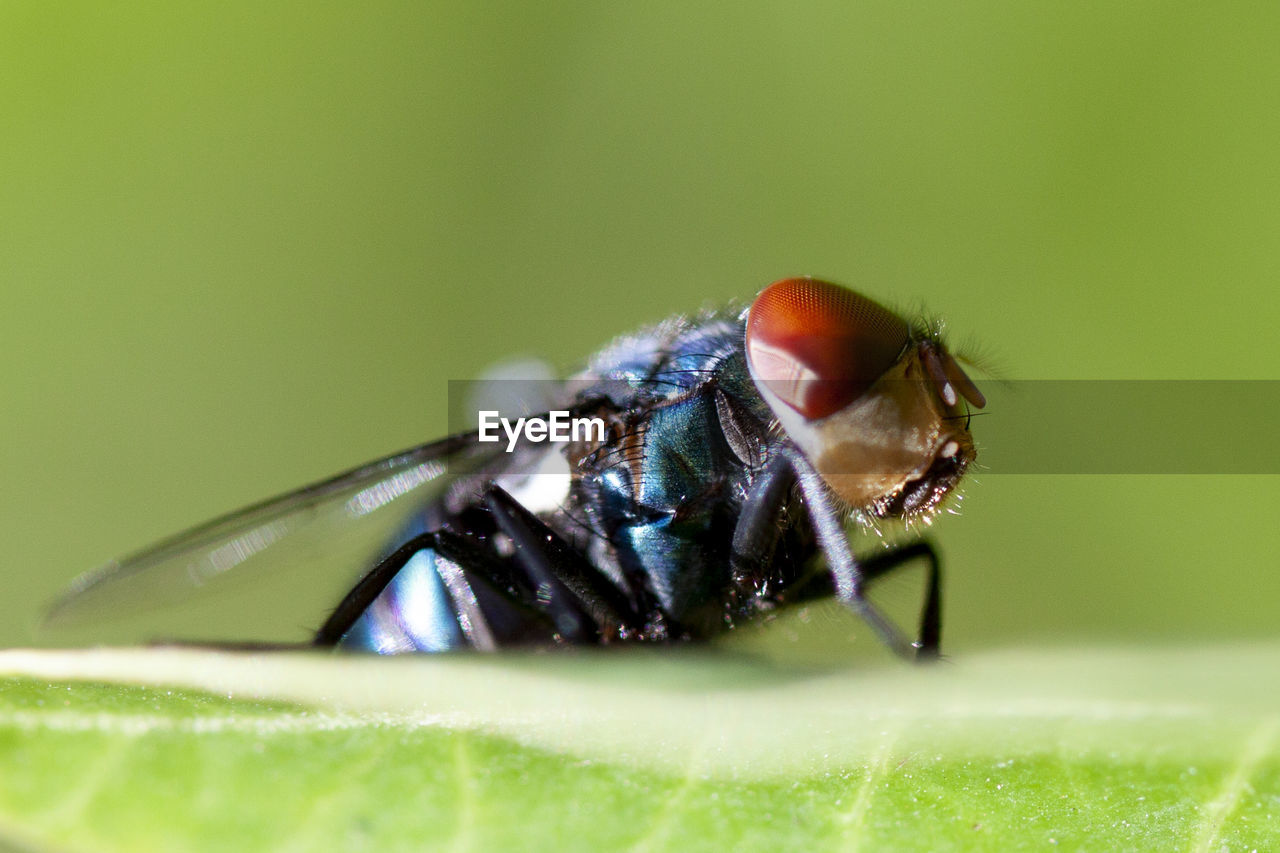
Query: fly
x=732 y=451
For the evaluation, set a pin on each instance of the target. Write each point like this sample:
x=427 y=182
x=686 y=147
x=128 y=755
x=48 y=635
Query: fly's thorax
x=874 y=404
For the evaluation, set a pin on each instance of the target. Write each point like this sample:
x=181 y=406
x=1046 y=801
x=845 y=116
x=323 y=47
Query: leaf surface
x=193 y=750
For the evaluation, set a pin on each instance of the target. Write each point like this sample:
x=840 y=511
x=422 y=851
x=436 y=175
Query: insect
x=733 y=449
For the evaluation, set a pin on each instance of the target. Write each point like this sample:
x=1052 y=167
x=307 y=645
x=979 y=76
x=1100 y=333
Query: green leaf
x=180 y=749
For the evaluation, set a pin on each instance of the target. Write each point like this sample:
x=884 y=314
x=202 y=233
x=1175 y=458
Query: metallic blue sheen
x=658 y=503
x=414 y=614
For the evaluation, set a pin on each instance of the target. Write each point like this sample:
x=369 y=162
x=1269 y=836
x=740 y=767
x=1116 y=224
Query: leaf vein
x=1220 y=807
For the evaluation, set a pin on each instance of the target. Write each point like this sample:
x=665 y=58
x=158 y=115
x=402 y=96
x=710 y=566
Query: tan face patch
x=890 y=437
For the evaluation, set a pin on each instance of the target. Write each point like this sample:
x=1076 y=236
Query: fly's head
x=876 y=405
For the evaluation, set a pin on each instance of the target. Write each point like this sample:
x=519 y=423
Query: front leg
x=821 y=585
x=758 y=531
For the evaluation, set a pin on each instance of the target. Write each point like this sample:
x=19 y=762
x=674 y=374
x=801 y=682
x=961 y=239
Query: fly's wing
x=272 y=572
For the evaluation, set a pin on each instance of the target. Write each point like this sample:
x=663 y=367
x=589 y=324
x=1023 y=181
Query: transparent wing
x=270 y=572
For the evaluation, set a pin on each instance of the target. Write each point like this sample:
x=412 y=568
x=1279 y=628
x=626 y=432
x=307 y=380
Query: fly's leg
x=571 y=622
x=493 y=605
x=846 y=573
x=758 y=531
x=822 y=585
x=574 y=592
x=927 y=646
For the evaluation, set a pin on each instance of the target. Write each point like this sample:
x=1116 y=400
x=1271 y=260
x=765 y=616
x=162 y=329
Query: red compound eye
x=818 y=346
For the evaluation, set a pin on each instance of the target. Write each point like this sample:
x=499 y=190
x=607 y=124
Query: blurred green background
x=243 y=246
